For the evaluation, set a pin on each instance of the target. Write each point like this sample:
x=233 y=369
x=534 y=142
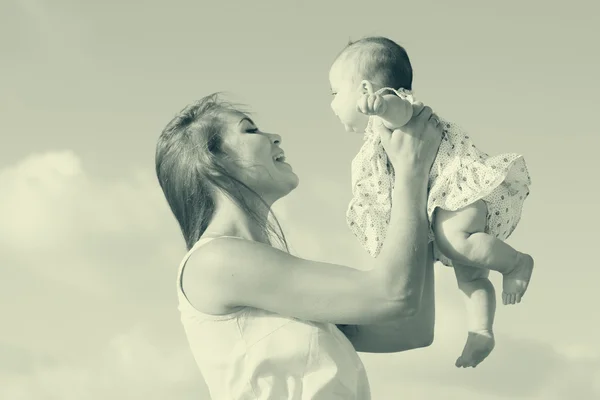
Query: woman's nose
x=276 y=138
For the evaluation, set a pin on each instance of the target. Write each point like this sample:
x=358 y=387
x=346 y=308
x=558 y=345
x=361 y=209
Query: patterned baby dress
x=461 y=175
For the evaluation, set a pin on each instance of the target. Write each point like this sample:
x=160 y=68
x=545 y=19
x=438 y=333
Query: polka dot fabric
x=461 y=175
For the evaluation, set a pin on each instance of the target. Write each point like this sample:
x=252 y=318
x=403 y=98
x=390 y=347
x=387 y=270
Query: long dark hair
x=189 y=170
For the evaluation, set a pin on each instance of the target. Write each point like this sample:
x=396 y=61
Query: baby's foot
x=516 y=281
x=479 y=345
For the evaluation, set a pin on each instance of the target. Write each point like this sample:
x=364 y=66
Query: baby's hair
x=380 y=60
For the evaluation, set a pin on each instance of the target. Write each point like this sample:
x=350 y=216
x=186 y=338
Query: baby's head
x=371 y=62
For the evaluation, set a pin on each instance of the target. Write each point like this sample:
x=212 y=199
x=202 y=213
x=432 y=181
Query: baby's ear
x=366 y=87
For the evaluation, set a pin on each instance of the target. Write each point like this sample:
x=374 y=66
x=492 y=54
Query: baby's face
x=346 y=91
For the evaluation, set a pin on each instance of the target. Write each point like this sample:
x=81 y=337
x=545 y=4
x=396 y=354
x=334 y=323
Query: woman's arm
x=228 y=273
x=400 y=334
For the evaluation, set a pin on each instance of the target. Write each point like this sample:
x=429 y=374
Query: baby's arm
x=393 y=110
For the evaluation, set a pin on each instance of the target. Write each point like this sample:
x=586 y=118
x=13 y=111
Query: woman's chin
x=294 y=181
x=291 y=179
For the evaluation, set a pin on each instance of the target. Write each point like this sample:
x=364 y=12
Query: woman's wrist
x=411 y=186
x=417 y=176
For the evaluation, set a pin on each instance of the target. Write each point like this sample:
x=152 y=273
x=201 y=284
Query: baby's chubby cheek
x=360 y=123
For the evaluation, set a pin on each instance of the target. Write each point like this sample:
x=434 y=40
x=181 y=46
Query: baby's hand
x=371 y=104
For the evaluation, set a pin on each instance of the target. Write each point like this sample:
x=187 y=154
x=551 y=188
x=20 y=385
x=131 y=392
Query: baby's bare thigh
x=467 y=220
x=452 y=229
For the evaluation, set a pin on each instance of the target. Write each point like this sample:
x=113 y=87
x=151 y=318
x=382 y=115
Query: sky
x=89 y=249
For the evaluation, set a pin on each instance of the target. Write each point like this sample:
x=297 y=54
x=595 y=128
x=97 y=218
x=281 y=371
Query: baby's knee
x=453 y=237
x=467 y=274
x=450 y=240
x=457 y=226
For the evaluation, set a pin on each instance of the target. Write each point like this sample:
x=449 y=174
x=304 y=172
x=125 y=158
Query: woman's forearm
x=400 y=334
x=401 y=262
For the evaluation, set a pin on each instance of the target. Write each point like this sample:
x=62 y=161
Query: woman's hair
x=189 y=170
x=380 y=60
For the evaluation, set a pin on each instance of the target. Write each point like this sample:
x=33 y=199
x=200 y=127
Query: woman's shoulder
x=206 y=264
x=220 y=251
x=218 y=267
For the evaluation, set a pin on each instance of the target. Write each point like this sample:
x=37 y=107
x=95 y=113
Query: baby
x=474 y=200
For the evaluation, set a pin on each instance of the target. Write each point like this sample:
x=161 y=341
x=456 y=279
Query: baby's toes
x=477 y=359
x=508 y=298
x=462 y=362
x=467 y=361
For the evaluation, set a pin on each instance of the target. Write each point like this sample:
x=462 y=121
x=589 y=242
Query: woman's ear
x=366 y=87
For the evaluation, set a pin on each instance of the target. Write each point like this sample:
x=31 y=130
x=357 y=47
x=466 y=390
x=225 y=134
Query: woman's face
x=256 y=158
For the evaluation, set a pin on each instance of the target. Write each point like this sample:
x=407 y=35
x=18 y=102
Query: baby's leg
x=480 y=300
x=460 y=235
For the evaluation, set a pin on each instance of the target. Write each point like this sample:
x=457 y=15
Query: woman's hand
x=412 y=148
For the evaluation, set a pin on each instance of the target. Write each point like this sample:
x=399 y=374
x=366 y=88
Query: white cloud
x=130 y=366
x=29 y=191
x=65 y=226
x=81 y=258
x=517 y=369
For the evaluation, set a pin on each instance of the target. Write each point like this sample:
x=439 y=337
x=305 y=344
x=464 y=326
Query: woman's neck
x=231 y=220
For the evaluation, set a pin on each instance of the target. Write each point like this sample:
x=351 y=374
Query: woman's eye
x=252 y=130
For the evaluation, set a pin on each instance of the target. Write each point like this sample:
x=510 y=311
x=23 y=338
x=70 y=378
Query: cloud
x=132 y=365
x=59 y=223
x=30 y=189
x=518 y=368
x=85 y=257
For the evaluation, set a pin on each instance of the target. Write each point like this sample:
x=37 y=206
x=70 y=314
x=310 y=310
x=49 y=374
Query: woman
x=261 y=323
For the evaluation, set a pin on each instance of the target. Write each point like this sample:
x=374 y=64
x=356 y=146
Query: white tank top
x=252 y=354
